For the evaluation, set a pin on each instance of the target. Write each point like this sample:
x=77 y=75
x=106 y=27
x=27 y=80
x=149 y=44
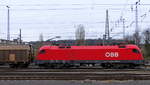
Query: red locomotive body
x=106 y=56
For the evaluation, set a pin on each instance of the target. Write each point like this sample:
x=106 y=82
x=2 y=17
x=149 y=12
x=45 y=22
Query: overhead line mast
x=8 y=24
x=20 y=36
x=136 y=24
x=107 y=34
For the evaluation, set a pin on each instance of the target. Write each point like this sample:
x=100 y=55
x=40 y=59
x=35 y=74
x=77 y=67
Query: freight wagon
x=16 y=55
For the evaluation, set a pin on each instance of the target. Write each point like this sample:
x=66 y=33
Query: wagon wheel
x=13 y=65
x=24 y=65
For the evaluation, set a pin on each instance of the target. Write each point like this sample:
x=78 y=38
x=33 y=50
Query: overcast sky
x=61 y=17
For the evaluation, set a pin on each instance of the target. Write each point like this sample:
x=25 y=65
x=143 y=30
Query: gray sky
x=61 y=17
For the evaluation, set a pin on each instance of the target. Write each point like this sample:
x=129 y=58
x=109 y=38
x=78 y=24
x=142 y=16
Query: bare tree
x=146 y=39
x=129 y=39
x=41 y=37
x=146 y=36
x=80 y=35
x=137 y=38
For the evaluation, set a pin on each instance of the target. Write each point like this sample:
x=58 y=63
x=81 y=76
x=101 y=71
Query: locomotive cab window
x=135 y=51
x=42 y=51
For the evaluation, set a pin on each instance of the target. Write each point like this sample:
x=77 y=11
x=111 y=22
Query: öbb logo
x=111 y=54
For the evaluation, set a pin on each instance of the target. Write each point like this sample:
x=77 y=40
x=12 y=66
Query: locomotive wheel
x=107 y=65
x=13 y=65
x=131 y=66
x=44 y=66
x=117 y=66
x=48 y=66
x=55 y=66
x=125 y=66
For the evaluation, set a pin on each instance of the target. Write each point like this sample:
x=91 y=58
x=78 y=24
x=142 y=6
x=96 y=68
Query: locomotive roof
x=89 y=47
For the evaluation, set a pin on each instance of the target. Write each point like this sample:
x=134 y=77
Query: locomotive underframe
x=103 y=63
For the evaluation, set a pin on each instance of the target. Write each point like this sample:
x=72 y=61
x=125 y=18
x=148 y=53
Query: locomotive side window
x=42 y=52
x=135 y=51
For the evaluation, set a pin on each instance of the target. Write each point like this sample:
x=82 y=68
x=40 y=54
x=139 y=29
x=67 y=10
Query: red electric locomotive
x=118 y=56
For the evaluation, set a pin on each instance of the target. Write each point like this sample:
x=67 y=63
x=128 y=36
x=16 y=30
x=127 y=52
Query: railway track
x=74 y=70
x=70 y=70
x=75 y=74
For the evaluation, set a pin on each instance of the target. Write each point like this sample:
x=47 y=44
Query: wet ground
x=73 y=82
